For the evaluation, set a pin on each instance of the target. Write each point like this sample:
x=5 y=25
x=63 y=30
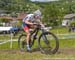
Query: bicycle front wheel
x=48 y=43
x=22 y=42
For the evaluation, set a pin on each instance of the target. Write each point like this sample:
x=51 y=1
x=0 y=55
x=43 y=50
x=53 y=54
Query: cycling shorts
x=25 y=26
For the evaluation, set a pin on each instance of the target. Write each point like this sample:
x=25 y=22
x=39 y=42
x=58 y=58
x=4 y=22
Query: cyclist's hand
x=35 y=24
x=42 y=25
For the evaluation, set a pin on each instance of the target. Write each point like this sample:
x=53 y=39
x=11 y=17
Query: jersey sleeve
x=26 y=18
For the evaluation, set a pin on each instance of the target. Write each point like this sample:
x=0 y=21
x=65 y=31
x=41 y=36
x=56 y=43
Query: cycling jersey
x=29 y=17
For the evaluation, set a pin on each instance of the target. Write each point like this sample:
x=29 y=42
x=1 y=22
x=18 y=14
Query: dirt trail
x=61 y=51
x=67 y=51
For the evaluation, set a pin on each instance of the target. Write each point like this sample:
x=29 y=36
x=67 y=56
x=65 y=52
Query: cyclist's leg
x=26 y=29
x=34 y=29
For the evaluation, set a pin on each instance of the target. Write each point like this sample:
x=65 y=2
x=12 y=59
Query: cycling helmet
x=37 y=13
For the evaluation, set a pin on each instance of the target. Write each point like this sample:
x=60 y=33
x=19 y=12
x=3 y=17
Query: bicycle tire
x=49 y=42
x=22 y=42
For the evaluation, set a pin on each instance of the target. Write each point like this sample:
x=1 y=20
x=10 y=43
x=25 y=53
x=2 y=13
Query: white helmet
x=37 y=13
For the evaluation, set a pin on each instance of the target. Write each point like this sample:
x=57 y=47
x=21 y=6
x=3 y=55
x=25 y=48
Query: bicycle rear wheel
x=22 y=42
x=48 y=43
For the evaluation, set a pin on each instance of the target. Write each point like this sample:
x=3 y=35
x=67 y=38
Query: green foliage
x=1 y=25
x=72 y=24
x=4 y=20
x=18 y=5
x=53 y=12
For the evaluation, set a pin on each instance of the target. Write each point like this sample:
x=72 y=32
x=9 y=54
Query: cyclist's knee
x=28 y=33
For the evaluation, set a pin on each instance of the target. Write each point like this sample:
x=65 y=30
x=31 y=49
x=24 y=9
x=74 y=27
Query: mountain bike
x=47 y=41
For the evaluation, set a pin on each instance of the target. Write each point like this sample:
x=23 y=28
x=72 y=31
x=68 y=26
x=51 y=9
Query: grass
x=63 y=53
x=64 y=43
x=6 y=46
x=18 y=55
x=60 y=30
x=67 y=43
x=37 y=56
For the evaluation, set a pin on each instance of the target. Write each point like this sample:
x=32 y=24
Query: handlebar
x=36 y=24
x=44 y=28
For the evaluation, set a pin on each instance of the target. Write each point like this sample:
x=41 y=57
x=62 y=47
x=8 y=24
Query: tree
x=51 y=13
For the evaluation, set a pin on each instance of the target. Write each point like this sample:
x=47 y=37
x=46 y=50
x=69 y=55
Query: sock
x=28 y=47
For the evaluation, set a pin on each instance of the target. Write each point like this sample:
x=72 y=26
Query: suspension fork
x=44 y=37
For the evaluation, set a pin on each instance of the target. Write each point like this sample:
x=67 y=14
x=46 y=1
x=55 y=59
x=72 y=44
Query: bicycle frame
x=37 y=30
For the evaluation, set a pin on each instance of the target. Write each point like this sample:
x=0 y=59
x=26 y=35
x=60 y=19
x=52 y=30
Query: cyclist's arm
x=41 y=23
x=30 y=23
